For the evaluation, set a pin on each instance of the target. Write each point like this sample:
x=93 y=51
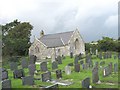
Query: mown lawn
x=75 y=77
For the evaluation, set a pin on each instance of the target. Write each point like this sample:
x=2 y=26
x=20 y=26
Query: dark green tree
x=16 y=38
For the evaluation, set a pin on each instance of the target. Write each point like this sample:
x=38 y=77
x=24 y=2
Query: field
x=110 y=81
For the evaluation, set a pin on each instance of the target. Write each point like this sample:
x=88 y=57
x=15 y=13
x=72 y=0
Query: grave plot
x=70 y=78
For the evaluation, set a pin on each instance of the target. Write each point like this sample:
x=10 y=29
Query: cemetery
x=79 y=71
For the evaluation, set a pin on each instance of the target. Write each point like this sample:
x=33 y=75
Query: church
x=52 y=45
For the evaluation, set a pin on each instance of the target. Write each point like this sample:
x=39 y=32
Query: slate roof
x=56 y=40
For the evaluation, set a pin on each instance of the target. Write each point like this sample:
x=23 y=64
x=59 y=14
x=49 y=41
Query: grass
x=74 y=76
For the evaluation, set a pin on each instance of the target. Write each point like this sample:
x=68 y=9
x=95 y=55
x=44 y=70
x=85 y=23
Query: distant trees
x=106 y=44
x=16 y=38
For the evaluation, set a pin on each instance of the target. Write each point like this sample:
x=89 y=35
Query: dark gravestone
x=71 y=55
x=4 y=74
x=100 y=55
x=6 y=83
x=13 y=66
x=43 y=66
x=46 y=76
x=81 y=62
x=58 y=74
x=110 y=67
x=88 y=58
x=54 y=65
x=32 y=59
x=76 y=59
x=115 y=67
x=24 y=63
x=115 y=57
x=59 y=60
x=83 y=66
x=28 y=80
x=86 y=83
x=32 y=69
x=77 y=67
x=95 y=76
x=70 y=64
x=18 y=73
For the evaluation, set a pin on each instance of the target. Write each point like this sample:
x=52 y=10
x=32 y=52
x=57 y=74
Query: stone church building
x=52 y=45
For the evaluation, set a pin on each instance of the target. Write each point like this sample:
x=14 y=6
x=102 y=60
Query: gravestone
x=100 y=55
x=46 y=76
x=59 y=60
x=43 y=66
x=13 y=66
x=28 y=80
x=18 y=73
x=71 y=55
x=24 y=63
x=115 y=57
x=115 y=67
x=32 y=59
x=4 y=74
x=95 y=76
x=54 y=65
x=81 y=62
x=86 y=83
x=76 y=59
x=68 y=70
x=6 y=83
x=110 y=67
x=32 y=69
x=77 y=67
x=58 y=74
x=83 y=66
x=70 y=64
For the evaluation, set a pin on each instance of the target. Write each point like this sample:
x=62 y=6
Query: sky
x=93 y=18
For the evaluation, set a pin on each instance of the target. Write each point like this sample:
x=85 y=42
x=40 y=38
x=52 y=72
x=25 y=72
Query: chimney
x=41 y=33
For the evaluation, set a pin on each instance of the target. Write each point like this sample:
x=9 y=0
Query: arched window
x=37 y=49
x=76 y=44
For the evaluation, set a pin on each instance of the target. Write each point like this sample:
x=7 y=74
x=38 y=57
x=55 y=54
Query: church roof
x=56 y=40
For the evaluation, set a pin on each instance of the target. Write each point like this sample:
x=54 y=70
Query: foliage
x=106 y=44
x=16 y=38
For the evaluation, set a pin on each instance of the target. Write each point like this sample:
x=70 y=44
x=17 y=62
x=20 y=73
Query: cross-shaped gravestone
x=13 y=66
x=77 y=67
x=86 y=83
x=28 y=80
x=32 y=69
x=18 y=73
x=43 y=66
x=46 y=76
x=6 y=84
x=54 y=65
x=58 y=74
x=68 y=70
x=32 y=59
x=95 y=76
x=24 y=63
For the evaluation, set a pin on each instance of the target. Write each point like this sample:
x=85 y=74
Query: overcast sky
x=93 y=18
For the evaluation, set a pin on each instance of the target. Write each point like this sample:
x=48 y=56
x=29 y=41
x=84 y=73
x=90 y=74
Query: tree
x=16 y=38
